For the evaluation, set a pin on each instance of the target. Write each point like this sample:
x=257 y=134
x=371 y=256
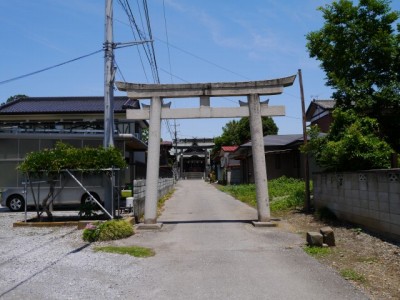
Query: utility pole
x=176 y=164
x=307 y=204
x=109 y=100
x=109 y=77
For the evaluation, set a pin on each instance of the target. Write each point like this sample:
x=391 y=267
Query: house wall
x=324 y=122
x=370 y=198
x=278 y=164
x=283 y=164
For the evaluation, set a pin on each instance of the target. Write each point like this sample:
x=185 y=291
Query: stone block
x=394 y=187
x=363 y=185
x=395 y=204
x=384 y=206
x=315 y=239
x=396 y=230
x=383 y=196
x=384 y=217
x=363 y=195
x=383 y=186
x=364 y=204
x=328 y=236
x=395 y=219
x=356 y=202
x=373 y=204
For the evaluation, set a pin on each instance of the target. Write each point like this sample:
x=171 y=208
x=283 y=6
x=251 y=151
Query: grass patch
x=350 y=274
x=317 y=251
x=243 y=192
x=130 y=250
x=284 y=193
x=162 y=200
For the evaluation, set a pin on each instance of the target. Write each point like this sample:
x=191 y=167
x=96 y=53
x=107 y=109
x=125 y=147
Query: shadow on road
x=208 y=221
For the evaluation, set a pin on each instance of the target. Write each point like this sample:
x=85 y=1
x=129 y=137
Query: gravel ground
x=28 y=255
x=375 y=259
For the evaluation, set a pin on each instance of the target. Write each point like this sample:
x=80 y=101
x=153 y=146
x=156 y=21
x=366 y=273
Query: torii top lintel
x=218 y=89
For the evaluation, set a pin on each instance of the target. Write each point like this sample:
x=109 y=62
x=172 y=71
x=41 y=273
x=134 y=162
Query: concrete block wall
x=368 y=198
x=139 y=192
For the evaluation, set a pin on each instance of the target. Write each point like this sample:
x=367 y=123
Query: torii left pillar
x=153 y=158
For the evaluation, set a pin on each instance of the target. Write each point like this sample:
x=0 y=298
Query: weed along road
x=206 y=249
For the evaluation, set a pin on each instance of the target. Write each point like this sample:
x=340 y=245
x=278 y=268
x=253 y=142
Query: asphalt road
x=207 y=249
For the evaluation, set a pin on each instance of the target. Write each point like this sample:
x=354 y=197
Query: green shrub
x=352 y=143
x=91 y=232
x=64 y=156
x=109 y=230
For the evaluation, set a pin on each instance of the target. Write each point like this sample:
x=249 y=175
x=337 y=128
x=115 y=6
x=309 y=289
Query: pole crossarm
x=204 y=112
x=218 y=89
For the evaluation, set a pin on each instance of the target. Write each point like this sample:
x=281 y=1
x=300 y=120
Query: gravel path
x=54 y=263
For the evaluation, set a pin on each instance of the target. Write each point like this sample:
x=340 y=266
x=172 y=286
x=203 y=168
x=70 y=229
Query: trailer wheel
x=16 y=202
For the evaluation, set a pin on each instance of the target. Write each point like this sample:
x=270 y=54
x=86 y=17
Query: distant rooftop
x=317 y=107
x=229 y=148
x=278 y=140
x=67 y=105
x=327 y=104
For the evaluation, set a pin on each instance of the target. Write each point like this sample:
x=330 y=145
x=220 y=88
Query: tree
x=238 y=132
x=16 y=97
x=359 y=51
x=351 y=144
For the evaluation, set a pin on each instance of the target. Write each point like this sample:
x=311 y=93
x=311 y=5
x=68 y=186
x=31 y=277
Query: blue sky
x=209 y=41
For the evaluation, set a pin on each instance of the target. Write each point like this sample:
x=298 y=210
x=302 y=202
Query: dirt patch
x=375 y=260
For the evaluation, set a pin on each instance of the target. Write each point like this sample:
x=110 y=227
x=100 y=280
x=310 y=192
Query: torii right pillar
x=259 y=166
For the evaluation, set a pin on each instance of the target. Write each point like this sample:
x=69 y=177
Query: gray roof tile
x=278 y=140
x=36 y=105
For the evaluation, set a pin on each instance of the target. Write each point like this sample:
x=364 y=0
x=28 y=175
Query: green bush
x=64 y=156
x=91 y=232
x=352 y=143
x=109 y=230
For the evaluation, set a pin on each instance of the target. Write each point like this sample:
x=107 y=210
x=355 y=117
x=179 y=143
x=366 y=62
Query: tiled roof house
x=319 y=113
x=34 y=123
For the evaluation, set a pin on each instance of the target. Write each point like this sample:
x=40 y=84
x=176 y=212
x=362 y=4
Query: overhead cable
x=51 y=67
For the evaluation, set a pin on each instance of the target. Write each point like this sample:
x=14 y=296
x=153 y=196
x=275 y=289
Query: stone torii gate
x=157 y=111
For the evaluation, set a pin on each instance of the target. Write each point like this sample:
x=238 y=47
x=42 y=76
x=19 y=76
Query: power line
x=49 y=68
x=203 y=59
x=146 y=10
x=135 y=29
x=119 y=70
x=166 y=35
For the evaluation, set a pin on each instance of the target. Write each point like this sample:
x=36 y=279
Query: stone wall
x=139 y=192
x=368 y=198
